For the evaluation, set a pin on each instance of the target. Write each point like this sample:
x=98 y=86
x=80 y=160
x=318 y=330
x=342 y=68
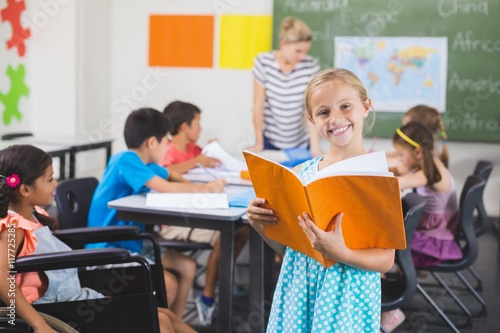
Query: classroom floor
x=419 y=316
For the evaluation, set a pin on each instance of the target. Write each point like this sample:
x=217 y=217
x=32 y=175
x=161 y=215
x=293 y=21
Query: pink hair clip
x=12 y=180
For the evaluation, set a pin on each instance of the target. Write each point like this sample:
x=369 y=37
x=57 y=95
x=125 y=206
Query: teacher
x=280 y=79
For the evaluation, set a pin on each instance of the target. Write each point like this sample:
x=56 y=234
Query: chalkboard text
x=464 y=42
x=480 y=85
x=314 y=6
x=447 y=8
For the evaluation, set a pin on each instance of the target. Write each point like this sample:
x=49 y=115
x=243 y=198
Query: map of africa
x=398 y=72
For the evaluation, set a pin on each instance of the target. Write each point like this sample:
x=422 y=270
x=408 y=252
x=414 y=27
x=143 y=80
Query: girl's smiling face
x=43 y=188
x=339 y=113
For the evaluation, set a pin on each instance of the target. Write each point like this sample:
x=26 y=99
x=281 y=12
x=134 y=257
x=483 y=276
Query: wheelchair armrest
x=71 y=259
x=82 y=236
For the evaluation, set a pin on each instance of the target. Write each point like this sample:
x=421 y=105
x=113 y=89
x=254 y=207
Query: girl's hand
x=259 y=216
x=330 y=243
x=215 y=186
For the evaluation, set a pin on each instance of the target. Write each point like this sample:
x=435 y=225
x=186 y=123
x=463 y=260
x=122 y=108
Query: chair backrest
x=413 y=207
x=471 y=195
x=398 y=292
x=11 y=136
x=73 y=197
x=483 y=169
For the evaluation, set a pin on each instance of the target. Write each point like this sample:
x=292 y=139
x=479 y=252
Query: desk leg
x=108 y=154
x=72 y=164
x=261 y=282
x=62 y=167
x=226 y=278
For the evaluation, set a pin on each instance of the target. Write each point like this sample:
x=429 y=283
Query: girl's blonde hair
x=431 y=119
x=294 y=30
x=332 y=75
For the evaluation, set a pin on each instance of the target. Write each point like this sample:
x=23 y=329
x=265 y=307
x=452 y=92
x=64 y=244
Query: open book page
x=368 y=164
x=371 y=206
x=228 y=162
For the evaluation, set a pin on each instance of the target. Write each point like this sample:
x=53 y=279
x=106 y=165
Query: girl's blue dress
x=311 y=298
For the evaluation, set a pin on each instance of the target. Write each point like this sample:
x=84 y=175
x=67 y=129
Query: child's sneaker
x=205 y=312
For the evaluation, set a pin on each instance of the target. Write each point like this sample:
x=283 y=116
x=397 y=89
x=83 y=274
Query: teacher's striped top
x=284 y=121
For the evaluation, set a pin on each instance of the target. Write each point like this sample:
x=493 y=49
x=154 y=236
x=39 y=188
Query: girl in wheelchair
x=26 y=182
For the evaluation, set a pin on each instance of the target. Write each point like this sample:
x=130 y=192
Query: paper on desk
x=228 y=162
x=188 y=200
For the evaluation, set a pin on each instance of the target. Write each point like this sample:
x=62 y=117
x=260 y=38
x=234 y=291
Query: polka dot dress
x=312 y=299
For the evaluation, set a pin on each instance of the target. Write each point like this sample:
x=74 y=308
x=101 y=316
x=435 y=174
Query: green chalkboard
x=472 y=28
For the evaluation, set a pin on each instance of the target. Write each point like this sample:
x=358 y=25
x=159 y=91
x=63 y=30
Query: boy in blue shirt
x=137 y=170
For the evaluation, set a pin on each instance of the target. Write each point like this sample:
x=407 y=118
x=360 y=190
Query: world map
x=398 y=72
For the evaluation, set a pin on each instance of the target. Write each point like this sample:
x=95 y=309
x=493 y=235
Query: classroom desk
x=57 y=150
x=227 y=221
x=76 y=143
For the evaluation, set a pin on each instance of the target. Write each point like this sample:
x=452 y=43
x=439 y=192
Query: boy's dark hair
x=179 y=112
x=144 y=123
x=29 y=163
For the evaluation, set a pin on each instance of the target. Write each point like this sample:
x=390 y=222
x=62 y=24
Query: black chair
x=483 y=169
x=398 y=291
x=125 y=308
x=73 y=198
x=11 y=136
x=469 y=199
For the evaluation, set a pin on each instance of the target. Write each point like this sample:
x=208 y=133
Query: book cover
x=370 y=200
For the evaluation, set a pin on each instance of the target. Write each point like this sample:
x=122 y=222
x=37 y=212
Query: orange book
x=370 y=201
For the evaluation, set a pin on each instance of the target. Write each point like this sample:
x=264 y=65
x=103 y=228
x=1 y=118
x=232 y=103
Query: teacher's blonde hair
x=294 y=30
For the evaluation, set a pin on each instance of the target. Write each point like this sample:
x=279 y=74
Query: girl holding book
x=346 y=296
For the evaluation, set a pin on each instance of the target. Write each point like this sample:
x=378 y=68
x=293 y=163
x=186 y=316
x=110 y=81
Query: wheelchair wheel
x=22 y=327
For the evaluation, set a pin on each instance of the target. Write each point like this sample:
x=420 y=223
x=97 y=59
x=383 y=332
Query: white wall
x=54 y=46
x=110 y=39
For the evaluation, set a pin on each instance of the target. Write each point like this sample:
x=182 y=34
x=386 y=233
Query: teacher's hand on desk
x=257 y=147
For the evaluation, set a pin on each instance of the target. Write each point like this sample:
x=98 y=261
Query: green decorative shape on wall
x=17 y=89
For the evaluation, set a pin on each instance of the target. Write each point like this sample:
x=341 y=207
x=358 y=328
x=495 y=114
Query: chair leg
x=460 y=304
x=437 y=308
x=477 y=277
x=484 y=311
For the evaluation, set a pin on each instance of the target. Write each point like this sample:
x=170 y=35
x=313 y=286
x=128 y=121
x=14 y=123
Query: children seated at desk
x=137 y=170
x=434 y=240
x=182 y=155
x=430 y=118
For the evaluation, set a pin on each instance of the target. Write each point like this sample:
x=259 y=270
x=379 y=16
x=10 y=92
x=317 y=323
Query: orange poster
x=181 y=40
